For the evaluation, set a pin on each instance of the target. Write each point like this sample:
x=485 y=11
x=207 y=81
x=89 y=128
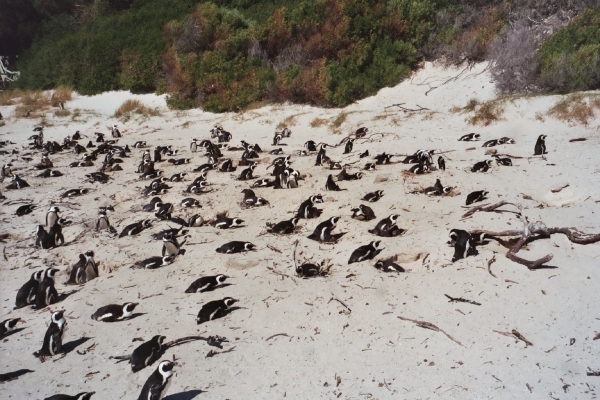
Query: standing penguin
x=52 y=216
x=441 y=163
x=114 y=312
x=53 y=338
x=214 y=309
x=43 y=239
x=27 y=292
x=540 y=146
x=331 y=185
x=47 y=293
x=84 y=270
x=115 y=132
x=171 y=246
x=158 y=383
x=103 y=223
x=348 y=147
x=194 y=146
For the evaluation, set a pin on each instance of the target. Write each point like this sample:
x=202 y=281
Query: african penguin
x=190 y=202
x=331 y=185
x=158 y=383
x=348 y=147
x=308 y=270
x=540 y=146
x=470 y=137
x=114 y=312
x=441 y=163
x=53 y=338
x=146 y=353
x=8 y=326
x=363 y=213
x=52 y=216
x=74 y=192
x=135 y=228
x=322 y=232
x=464 y=245
x=506 y=161
x=308 y=210
x=310 y=146
x=27 y=292
x=206 y=283
x=25 y=209
x=366 y=252
x=214 y=309
x=482 y=166
x=226 y=223
x=46 y=294
x=155 y=262
x=283 y=227
x=373 y=196
x=250 y=199
x=388 y=266
x=235 y=247
x=387 y=227
x=78 y=396
x=474 y=197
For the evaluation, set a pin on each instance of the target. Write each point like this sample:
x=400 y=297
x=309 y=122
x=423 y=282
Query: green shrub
x=570 y=59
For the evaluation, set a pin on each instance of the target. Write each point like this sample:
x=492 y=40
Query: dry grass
x=379 y=117
x=576 y=109
x=288 y=121
x=340 y=119
x=35 y=100
x=130 y=107
x=61 y=93
x=317 y=122
x=486 y=114
x=62 y=113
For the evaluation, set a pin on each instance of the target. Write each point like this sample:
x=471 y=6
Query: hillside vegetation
x=226 y=55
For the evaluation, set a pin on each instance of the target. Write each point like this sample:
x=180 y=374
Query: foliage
x=576 y=108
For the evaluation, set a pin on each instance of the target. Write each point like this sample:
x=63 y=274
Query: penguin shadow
x=11 y=376
x=189 y=395
x=12 y=332
x=63 y=296
x=135 y=315
x=73 y=344
x=225 y=313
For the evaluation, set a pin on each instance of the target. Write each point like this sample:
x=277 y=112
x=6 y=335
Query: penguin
x=383 y=158
x=43 y=239
x=491 y=143
x=139 y=144
x=135 y=228
x=52 y=216
x=308 y=270
x=250 y=199
x=115 y=132
x=310 y=145
x=464 y=245
x=482 y=166
x=54 y=336
x=179 y=161
x=276 y=139
x=193 y=146
x=25 y=209
x=195 y=221
x=99 y=137
x=361 y=132
x=363 y=213
x=307 y=209
x=476 y=196
x=84 y=270
x=441 y=163
x=155 y=262
x=146 y=353
x=263 y=183
x=373 y=196
x=171 y=246
x=74 y=193
x=152 y=205
x=55 y=234
x=226 y=223
x=46 y=294
x=76 y=135
x=89 y=145
x=540 y=146
x=6 y=171
x=470 y=137
x=114 y=312
x=78 y=396
x=235 y=247
x=8 y=326
x=247 y=173
x=283 y=227
x=321 y=155
x=348 y=147
x=507 y=162
x=206 y=283
x=27 y=293
x=158 y=383
x=17 y=183
x=97 y=177
x=276 y=151
x=322 y=232
x=506 y=140
x=366 y=252
x=420 y=168
x=388 y=266
x=102 y=223
x=331 y=185
x=334 y=164
x=227 y=166
x=49 y=173
x=190 y=202
x=178 y=177
x=437 y=190
x=369 y=167
x=387 y=227
x=196 y=187
x=214 y=309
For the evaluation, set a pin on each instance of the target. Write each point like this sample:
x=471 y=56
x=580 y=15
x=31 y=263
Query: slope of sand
x=374 y=354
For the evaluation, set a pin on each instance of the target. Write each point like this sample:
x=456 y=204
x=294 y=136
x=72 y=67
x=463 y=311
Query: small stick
x=275 y=335
x=341 y=302
x=460 y=299
x=429 y=325
x=213 y=353
x=274 y=248
x=521 y=337
x=489 y=263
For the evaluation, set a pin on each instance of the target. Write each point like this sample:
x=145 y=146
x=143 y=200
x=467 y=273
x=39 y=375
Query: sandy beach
x=338 y=336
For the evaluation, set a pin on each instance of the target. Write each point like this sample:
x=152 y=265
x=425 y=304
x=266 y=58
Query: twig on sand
x=341 y=302
x=275 y=335
x=213 y=353
x=400 y=106
x=429 y=325
x=489 y=263
x=521 y=337
x=489 y=208
x=461 y=300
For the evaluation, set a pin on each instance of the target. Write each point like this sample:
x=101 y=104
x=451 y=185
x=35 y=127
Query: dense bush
x=570 y=59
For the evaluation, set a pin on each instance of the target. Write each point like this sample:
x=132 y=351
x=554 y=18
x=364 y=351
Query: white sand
x=375 y=354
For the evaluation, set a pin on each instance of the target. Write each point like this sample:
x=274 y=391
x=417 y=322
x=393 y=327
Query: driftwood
x=461 y=300
x=531 y=231
x=429 y=325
